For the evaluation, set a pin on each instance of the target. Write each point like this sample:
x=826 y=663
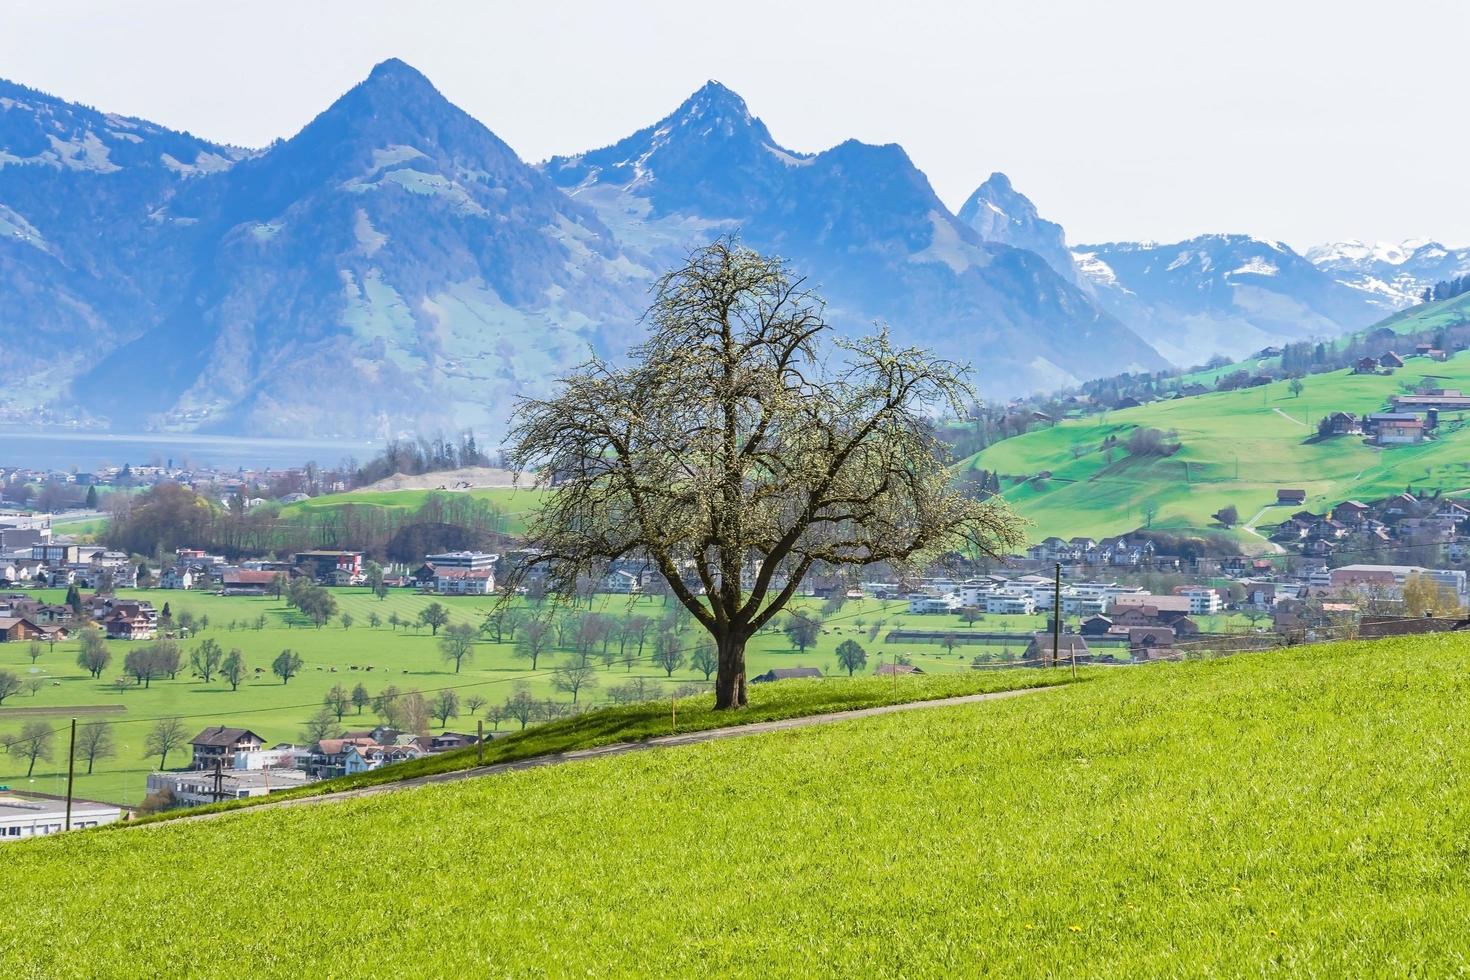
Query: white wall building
x=1202 y=601
x=25 y=815
x=923 y=605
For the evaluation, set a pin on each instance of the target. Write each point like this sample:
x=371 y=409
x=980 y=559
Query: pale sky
x=1132 y=119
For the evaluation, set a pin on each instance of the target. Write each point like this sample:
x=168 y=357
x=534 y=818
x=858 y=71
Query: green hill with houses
x=1234 y=448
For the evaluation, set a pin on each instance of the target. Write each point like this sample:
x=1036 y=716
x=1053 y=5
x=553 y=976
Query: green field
x=1239 y=447
x=405 y=658
x=517 y=504
x=1293 y=813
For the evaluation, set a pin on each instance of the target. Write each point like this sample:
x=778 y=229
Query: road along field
x=407 y=657
x=1298 y=812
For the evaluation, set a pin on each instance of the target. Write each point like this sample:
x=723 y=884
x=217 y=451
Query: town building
x=197 y=787
x=219 y=745
x=24 y=815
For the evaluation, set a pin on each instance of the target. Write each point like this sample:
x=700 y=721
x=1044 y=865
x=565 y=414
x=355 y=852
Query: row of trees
x=169 y=515
x=37 y=741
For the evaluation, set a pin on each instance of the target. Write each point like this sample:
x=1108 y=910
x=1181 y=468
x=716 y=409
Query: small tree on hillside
x=536 y=639
x=35 y=741
x=93 y=656
x=206 y=659
x=572 y=676
x=360 y=697
x=705 y=657
x=337 y=700
x=1228 y=515
x=667 y=653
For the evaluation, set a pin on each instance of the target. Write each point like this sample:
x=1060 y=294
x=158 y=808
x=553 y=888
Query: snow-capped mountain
x=1221 y=294
x=1000 y=213
x=394 y=265
x=863 y=224
x=1391 y=276
x=88 y=236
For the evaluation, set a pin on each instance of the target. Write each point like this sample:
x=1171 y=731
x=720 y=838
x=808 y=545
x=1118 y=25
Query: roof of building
x=787 y=673
x=221 y=735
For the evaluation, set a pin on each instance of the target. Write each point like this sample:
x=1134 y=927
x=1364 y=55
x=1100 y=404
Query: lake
x=65 y=449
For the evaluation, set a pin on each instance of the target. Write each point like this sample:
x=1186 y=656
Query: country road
x=618 y=748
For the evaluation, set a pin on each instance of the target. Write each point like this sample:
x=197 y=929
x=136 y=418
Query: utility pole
x=71 y=769
x=479 y=742
x=1056 y=617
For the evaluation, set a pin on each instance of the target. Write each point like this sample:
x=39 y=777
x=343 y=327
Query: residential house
x=463 y=581
x=1396 y=428
x=198 y=787
x=176 y=577
x=219 y=744
x=896 y=670
x=1344 y=424
x=1390 y=360
x=1290 y=497
x=16 y=629
x=1068 y=648
x=1366 y=365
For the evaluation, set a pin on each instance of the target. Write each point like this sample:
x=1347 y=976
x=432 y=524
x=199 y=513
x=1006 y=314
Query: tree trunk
x=730 y=678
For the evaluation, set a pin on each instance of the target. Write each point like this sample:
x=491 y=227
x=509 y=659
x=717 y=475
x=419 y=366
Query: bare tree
x=9 y=684
x=93 y=657
x=474 y=703
x=731 y=446
x=573 y=676
x=705 y=658
x=206 y=659
x=387 y=707
x=166 y=735
x=326 y=723
x=667 y=653
x=94 y=741
x=536 y=639
x=458 y=644
x=35 y=650
x=232 y=669
x=444 y=706
x=338 y=700
x=522 y=706
x=35 y=741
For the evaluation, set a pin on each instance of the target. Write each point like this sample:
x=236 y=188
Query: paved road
x=620 y=748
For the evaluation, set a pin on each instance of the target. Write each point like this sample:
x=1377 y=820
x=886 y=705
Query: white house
x=1202 y=601
x=463 y=581
x=1006 y=604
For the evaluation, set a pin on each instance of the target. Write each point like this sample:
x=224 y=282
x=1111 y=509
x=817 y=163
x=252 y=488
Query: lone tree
x=444 y=706
x=573 y=676
x=851 y=657
x=206 y=659
x=802 y=629
x=731 y=445
x=9 y=684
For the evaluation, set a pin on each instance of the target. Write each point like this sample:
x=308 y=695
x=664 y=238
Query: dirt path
x=620 y=748
x=1250 y=528
x=1290 y=419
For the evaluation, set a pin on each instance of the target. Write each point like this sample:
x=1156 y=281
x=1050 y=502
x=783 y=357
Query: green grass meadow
x=517 y=504
x=405 y=658
x=1296 y=813
x=1239 y=447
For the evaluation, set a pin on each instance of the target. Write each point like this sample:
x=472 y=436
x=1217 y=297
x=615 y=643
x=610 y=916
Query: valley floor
x=1298 y=812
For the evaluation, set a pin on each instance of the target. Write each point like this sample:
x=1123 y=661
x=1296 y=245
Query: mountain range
x=395 y=267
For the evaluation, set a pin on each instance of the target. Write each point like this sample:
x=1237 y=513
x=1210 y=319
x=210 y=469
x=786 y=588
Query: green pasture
x=1295 y=813
x=1239 y=447
x=517 y=504
x=407 y=658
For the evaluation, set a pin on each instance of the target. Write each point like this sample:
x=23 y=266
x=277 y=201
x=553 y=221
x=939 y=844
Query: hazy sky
x=1304 y=121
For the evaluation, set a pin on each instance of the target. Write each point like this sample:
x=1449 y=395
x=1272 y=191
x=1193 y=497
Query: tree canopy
x=743 y=446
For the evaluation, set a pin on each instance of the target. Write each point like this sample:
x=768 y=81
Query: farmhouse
x=1391 y=360
x=896 y=670
x=785 y=674
x=1292 y=498
x=1366 y=365
x=1344 y=424
x=219 y=744
x=15 y=629
x=1069 y=647
x=1396 y=428
x=245 y=581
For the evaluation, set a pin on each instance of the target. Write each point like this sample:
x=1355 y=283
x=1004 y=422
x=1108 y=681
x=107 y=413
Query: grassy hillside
x=406 y=658
x=1238 y=448
x=1296 y=812
x=518 y=504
